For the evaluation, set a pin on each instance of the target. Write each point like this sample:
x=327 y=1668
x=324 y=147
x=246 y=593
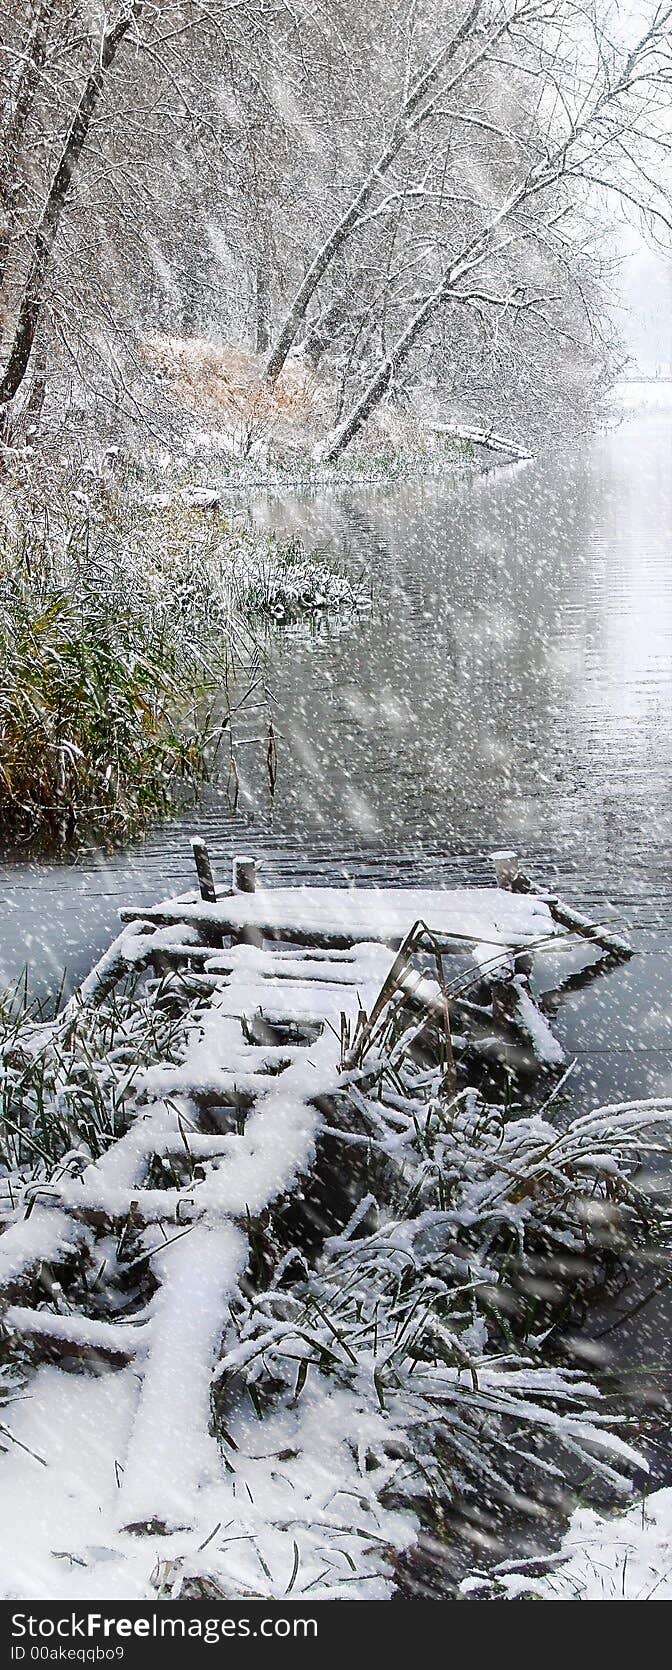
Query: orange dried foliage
x=229 y=382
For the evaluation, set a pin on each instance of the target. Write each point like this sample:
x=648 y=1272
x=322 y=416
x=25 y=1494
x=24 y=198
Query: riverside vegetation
x=130 y=636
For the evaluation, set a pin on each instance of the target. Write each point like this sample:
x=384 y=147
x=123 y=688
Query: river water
x=511 y=686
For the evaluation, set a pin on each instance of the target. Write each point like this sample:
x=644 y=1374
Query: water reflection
x=515 y=681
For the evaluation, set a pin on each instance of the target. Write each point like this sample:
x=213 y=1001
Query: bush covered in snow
x=286 y=583
x=431 y=1318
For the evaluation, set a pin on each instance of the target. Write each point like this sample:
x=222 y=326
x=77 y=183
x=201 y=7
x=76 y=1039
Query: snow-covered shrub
x=433 y=1314
x=418 y=1318
x=286 y=583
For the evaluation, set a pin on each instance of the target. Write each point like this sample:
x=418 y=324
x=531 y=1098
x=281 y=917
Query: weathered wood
x=509 y=874
x=203 y=870
x=48 y=1238
x=533 y=1026
x=244 y=875
x=483 y=438
x=288 y=933
x=112 y=967
x=613 y=944
x=513 y=879
x=171 y=1446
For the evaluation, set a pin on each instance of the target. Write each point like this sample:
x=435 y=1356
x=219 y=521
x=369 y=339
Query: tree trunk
x=32 y=300
x=541 y=176
x=413 y=112
x=321 y=333
x=482 y=437
x=32 y=413
x=15 y=124
x=380 y=381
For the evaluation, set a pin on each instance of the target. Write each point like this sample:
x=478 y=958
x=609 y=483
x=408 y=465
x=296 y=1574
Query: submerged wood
x=572 y=919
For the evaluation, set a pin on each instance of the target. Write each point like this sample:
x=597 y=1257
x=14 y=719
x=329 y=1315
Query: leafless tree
x=411 y=204
x=600 y=131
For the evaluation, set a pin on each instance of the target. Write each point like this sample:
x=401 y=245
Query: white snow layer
x=627 y=1557
x=375 y=914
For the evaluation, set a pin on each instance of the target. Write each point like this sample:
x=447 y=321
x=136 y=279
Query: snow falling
x=335 y=769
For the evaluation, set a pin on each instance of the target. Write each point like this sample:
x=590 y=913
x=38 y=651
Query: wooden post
x=244 y=875
x=596 y=932
x=204 y=870
x=503 y=994
x=509 y=874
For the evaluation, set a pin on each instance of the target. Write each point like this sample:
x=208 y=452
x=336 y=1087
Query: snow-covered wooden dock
x=239 y=1108
x=282 y=990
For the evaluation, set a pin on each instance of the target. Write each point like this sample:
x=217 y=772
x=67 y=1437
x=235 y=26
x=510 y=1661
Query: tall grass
x=98 y=708
x=435 y=1318
x=287 y=583
x=67 y=1085
x=122 y=635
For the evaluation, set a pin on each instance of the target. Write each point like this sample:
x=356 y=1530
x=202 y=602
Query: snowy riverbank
x=626 y=1556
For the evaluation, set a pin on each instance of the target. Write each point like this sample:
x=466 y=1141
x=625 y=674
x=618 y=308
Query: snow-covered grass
x=433 y=1314
x=211 y=466
x=367 y=467
x=126 y=636
x=623 y=1556
x=288 y=584
x=64 y=1089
